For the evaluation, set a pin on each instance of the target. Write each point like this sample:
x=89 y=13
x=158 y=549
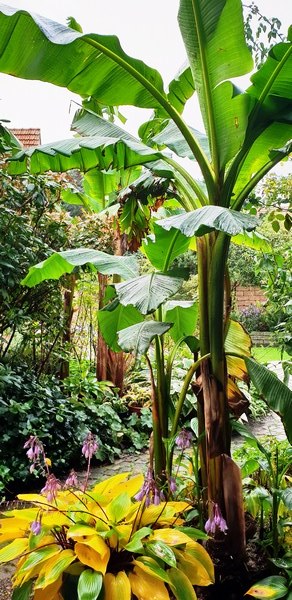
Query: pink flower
x=184 y=439
x=51 y=488
x=72 y=480
x=150 y=491
x=35 y=448
x=215 y=521
x=36 y=527
x=90 y=446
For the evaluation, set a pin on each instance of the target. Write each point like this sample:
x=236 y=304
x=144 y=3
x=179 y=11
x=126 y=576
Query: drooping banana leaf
x=217 y=51
x=109 y=147
x=148 y=292
x=138 y=338
x=206 y=219
x=237 y=341
x=276 y=394
x=181 y=88
x=60 y=263
x=115 y=317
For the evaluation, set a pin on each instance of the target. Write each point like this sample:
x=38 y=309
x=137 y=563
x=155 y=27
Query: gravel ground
x=269 y=425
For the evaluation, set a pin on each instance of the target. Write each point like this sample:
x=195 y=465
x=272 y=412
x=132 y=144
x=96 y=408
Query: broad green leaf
x=89 y=585
x=205 y=28
x=89 y=65
x=193 y=533
x=135 y=545
x=271 y=587
x=286 y=497
x=115 y=317
x=23 y=592
x=276 y=394
x=203 y=220
x=148 y=292
x=98 y=185
x=173 y=139
x=251 y=239
x=13 y=550
x=162 y=247
x=184 y=316
x=64 y=262
x=267 y=150
x=180 y=585
x=138 y=338
x=162 y=551
x=271 y=83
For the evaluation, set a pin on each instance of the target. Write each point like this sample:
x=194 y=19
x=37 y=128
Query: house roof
x=28 y=137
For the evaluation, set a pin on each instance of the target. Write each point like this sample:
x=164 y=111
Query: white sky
x=147 y=29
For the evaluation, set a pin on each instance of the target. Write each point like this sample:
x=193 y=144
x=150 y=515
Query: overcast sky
x=147 y=30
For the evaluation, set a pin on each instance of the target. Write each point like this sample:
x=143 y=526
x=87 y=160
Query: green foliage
x=61 y=417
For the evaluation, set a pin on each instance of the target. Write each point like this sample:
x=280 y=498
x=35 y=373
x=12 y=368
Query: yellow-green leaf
x=54 y=567
x=38 y=556
x=13 y=550
x=150 y=566
x=173 y=537
x=80 y=530
x=180 y=585
x=50 y=592
x=119 y=507
x=117 y=587
x=271 y=587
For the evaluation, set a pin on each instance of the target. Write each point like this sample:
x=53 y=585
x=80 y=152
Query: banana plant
x=246 y=134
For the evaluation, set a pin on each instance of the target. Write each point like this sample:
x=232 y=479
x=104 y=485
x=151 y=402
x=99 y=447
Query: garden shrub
x=29 y=406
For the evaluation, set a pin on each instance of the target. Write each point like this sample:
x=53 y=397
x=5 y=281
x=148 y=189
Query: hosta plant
x=103 y=543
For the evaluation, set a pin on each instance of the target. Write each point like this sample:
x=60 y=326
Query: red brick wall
x=245 y=296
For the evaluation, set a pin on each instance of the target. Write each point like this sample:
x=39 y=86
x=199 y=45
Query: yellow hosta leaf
x=109 y=484
x=97 y=544
x=53 y=518
x=90 y=557
x=147 y=587
x=13 y=524
x=198 y=552
x=123 y=533
x=193 y=568
x=54 y=567
x=7 y=537
x=130 y=487
x=48 y=461
x=173 y=537
x=50 y=592
x=41 y=500
x=117 y=587
x=163 y=514
x=13 y=550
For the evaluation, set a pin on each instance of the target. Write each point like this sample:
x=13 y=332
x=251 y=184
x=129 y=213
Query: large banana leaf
x=89 y=65
x=148 y=292
x=60 y=263
x=113 y=318
x=171 y=137
x=184 y=315
x=213 y=34
x=276 y=394
x=106 y=147
x=237 y=341
x=162 y=247
x=206 y=219
x=138 y=338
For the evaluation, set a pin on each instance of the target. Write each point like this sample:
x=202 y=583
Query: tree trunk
x=221 y=478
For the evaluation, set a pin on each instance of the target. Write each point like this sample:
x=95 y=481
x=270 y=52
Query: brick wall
x=245 y=296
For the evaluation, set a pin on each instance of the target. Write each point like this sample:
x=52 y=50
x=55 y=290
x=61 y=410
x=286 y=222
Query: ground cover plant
x=111 y=541
x=246 y=134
